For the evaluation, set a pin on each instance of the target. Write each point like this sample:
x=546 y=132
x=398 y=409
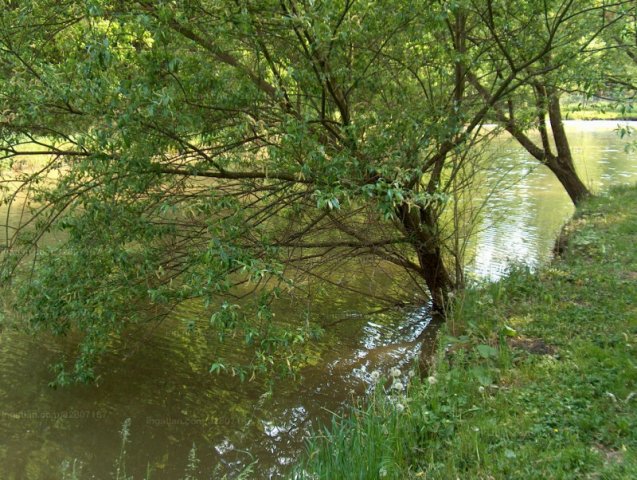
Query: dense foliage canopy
x=156 y=152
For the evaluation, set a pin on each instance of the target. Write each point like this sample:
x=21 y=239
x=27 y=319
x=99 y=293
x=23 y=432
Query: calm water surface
x=161 y=381
x=521 y=223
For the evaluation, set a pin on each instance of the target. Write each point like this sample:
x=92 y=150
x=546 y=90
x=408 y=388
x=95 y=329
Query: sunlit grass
x=592 y=114
x=578 y=109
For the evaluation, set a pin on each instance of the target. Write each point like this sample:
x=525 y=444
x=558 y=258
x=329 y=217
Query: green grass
x=578 y=109
x=536 y=375
x=594 y=114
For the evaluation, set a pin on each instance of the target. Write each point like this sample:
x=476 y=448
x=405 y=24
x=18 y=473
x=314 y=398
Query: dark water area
x=160 y=379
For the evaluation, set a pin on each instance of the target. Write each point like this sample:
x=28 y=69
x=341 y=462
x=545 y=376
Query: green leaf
x=482 y=375
x=486 y=351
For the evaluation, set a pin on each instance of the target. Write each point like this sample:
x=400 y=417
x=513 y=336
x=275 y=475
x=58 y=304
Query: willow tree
x=579 y=62
x=176 y=150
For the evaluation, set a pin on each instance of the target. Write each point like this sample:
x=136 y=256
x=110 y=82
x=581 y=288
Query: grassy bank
x=536 y=376
x=580 y=109
x=597 y=114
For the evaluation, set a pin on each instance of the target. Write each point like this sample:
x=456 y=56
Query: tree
x=575 y=29
x=200 y=149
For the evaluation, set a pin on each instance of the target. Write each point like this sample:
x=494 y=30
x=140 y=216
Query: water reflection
x=161 y=381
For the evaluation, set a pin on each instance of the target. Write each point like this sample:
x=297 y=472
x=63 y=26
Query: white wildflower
x=395 y=372
x=481 y=389
x=375 y=375
x=397 y=386
x=432 y=380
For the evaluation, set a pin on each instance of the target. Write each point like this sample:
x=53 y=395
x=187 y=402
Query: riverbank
x=587 y=114
x=577 y=108
x=536 y=375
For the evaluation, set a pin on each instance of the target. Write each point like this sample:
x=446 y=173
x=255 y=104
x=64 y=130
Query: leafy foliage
x=159 y=152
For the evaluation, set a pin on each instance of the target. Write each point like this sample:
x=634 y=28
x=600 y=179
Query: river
x=160 y=380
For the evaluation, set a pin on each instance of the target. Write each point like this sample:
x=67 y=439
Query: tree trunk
x=420 y=226
x=436 y=276
x=567 y=176
x=562 y=164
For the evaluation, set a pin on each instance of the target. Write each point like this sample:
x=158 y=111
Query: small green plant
x=193 y=464
x=71 y=470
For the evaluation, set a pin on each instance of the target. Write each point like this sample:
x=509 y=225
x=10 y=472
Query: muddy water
x=160 y=380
